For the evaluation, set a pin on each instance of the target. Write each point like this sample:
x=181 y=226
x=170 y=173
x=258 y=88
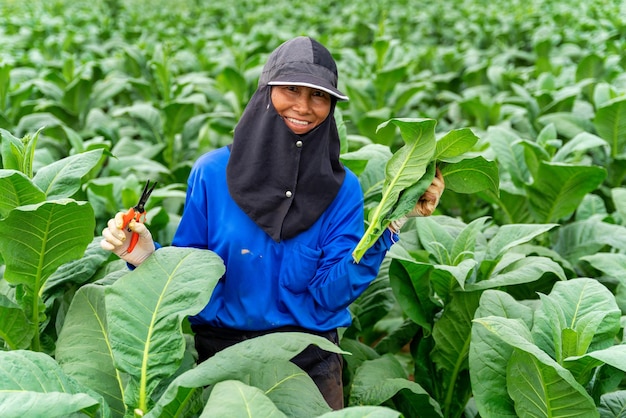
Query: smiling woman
x=475 y=293
x=302 y=108
x=284 y=214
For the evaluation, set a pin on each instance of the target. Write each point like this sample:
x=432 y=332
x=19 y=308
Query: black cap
x=302 y=61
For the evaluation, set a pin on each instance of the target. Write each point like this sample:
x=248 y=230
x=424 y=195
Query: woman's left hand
x=428 y=202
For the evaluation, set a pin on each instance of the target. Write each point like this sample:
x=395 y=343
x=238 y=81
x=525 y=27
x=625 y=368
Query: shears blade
x=135 y=213
x=147 y=191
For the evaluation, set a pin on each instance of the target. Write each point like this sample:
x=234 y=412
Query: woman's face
x=302 y=108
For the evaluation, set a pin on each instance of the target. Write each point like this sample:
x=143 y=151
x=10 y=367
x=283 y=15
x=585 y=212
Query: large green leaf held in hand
x=411 y=169
x=469 y=174
x=145 y=310
x=405 y=168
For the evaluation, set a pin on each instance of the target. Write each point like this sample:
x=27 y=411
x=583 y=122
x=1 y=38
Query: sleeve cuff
x=133 y=267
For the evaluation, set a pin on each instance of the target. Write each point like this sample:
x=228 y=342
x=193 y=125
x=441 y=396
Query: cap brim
x=330 y=90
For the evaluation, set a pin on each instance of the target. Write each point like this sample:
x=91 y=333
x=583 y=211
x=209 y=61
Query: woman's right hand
x=116 y=238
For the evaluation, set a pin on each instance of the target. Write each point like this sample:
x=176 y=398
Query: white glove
x=425 y=205
x=116 y=239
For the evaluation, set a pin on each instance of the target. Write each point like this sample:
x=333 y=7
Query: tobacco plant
x=411 y=169
x=41 y=228
x=562 y=357
x=125 y=350
x=94 y=102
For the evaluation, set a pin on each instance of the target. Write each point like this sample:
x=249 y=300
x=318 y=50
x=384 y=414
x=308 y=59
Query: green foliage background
x=97 y=97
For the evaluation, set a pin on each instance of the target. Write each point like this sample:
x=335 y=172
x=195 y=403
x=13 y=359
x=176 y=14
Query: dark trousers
x=323 y=367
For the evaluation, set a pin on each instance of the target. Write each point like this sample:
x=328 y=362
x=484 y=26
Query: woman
x=284 y=214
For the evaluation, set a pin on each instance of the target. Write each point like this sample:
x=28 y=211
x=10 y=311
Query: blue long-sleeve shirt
x=307 y=281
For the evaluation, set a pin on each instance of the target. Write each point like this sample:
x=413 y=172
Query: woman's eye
x=321 y=95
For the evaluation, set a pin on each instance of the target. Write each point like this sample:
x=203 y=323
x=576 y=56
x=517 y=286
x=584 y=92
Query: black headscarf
x=281 y=180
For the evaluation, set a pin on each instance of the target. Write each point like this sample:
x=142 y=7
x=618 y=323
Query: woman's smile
x=302 y=108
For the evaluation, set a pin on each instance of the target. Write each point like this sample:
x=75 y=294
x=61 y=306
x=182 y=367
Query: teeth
x=298 y=122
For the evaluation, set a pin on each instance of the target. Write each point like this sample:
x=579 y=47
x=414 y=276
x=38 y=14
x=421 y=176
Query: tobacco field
x=510 y=301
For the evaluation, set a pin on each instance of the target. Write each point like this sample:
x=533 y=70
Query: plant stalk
x=450 y=392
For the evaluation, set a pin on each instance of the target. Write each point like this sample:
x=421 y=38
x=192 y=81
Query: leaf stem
x=36 y=341
x=450 y=390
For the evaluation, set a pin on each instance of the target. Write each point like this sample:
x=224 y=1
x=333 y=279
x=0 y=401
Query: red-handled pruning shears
x=136 y=213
